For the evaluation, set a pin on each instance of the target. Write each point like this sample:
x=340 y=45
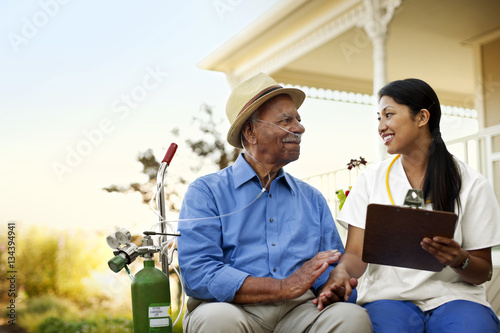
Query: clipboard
x=393 y=235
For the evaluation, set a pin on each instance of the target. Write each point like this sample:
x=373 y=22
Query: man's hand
x=266 y=289
x=299 y=282
x=338 y=288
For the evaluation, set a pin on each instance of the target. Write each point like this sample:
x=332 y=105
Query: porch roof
x=322 y=43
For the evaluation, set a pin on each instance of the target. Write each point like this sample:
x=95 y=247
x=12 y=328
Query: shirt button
x=274 y=269
x=270 y=195
x=273 y=244
x=271 y=220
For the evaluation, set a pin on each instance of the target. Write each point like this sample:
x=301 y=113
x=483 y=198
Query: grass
x=51 y=314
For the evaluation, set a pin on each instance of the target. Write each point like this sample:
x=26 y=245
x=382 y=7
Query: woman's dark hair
x=442 y=181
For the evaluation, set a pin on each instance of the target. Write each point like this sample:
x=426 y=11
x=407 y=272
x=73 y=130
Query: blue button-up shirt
x=272 y=237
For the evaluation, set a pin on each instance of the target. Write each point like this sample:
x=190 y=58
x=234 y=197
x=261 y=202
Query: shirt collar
x=243 y=172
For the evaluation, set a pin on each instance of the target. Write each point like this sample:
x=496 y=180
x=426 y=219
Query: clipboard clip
x=414 y=198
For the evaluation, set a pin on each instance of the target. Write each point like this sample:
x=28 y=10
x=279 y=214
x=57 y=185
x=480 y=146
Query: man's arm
x=263 y=289
x=204 y=274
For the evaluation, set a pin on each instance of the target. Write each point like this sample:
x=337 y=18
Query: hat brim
x=233 y=135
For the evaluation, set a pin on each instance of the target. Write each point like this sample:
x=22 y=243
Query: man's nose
x=298 y=127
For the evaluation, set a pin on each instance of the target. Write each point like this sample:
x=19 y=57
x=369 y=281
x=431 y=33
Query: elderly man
x=257 y=244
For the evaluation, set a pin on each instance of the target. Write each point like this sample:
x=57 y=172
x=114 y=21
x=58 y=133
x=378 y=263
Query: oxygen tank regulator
x=150 y=286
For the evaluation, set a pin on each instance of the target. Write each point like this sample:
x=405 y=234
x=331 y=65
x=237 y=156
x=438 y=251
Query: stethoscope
x=387 y=180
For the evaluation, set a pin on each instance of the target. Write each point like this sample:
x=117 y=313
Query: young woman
x=409 y=300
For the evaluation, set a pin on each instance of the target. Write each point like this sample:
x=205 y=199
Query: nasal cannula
x=267 y=122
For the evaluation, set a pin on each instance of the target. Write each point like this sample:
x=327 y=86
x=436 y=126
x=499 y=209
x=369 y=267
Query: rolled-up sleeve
x=204 y=273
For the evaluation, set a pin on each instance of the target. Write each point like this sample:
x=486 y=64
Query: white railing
x=477 y=150
x=329 y=183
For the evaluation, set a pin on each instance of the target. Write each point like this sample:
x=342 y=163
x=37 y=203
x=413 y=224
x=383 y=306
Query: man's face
x=277 y=145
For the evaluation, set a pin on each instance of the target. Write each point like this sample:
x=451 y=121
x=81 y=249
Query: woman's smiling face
x=398 y=127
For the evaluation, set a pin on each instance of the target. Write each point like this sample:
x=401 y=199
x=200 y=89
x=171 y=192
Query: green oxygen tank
x=151 y=300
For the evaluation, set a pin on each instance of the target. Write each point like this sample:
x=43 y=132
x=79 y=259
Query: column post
x=378 y=16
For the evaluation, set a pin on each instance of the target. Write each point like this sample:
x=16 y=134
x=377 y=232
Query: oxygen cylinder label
x=162 y=322
x=159 y=317
x=158 y=311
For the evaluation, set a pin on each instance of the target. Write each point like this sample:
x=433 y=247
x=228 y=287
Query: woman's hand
x=338 y=288
x=343 y=278
x=446 y=250
x=450 y=253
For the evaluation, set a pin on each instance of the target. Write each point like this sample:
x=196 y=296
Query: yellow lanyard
x=387 y=178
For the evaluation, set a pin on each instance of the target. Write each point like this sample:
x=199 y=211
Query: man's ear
x=423 y=117
x=248 y=131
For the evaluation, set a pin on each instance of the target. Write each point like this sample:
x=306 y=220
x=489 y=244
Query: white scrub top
x=478 y=227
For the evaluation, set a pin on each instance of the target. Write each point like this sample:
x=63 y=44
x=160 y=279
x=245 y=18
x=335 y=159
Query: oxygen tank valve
x=125 y=252
x=123 y=256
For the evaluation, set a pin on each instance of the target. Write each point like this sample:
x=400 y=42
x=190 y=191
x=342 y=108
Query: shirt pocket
x=304 y=239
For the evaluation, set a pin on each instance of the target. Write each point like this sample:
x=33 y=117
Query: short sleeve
x=354 y=210
x=480 y=215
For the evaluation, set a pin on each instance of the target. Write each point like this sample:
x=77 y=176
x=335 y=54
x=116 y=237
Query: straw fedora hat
x=248 y=96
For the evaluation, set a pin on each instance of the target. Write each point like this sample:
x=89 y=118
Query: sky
x=87 y=85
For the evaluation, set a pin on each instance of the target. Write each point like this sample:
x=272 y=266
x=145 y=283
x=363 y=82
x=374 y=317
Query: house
x=359 y=45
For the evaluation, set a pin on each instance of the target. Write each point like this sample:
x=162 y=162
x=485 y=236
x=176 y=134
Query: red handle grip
x=170 y=153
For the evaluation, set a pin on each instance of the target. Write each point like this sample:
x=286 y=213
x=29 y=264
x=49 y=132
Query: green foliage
x=57 y=325
x=44 y=305
x=9 y=328
x=341 y=196
x=53 y=263
x=108 y=325
x=34 y=310
x=37 y=262
x=66 y=264
x=54 y=314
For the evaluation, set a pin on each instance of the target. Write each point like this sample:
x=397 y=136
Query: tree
x=49 y=259
x=150 y=168
x=210 y=147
